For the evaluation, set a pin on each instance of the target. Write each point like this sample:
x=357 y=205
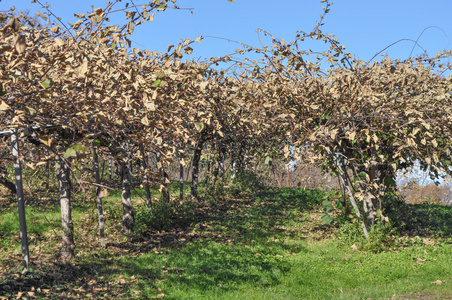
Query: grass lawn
x=266 y=245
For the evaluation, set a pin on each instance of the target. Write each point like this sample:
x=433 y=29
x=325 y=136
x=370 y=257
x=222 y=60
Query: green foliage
x=428 y=220
x=164 y=217
x=381 y=236
x=47 y=83
x=395 y=209
x=215 y=192
x=157 y=83
x=70 y=152
x=327 y=208
x=248 y=182
x=199 y=126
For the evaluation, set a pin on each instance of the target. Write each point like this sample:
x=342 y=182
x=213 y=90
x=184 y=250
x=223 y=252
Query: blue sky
x=364 y=27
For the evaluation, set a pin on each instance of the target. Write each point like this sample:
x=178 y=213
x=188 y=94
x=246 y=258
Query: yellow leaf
x=31 y=165
x=286 y=150
x=150 y=18
x=59 y=42
x=98 y=11
x=203 y=85
x=45 y=140
x=77 y=24
x=145 y=121
x=83 y=69
x=55 y=29
x=13 y=23
x=150 y=105
x=375 y=138
x=4 y=106
x=41 y=15
x=19 y=43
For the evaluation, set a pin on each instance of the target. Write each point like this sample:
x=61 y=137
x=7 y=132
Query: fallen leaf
x=438 y=282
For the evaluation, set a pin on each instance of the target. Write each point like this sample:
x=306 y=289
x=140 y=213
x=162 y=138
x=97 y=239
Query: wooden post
x=20 y=198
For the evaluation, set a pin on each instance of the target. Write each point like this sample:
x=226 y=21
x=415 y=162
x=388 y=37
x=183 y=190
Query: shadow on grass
x=219 y=244
x=59 y=281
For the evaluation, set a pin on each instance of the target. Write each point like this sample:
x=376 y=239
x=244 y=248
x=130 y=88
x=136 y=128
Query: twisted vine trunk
x=18 y=188
x=208 y=171
x=218 y=169
x=144 y=166
x=99 y=197
x=346 y=185
x=64 y=181
x=370 y=201
x=164 y=175
x=195 y=170
x=128 y=214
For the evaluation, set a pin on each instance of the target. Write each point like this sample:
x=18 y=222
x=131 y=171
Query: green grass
x=261 y=244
